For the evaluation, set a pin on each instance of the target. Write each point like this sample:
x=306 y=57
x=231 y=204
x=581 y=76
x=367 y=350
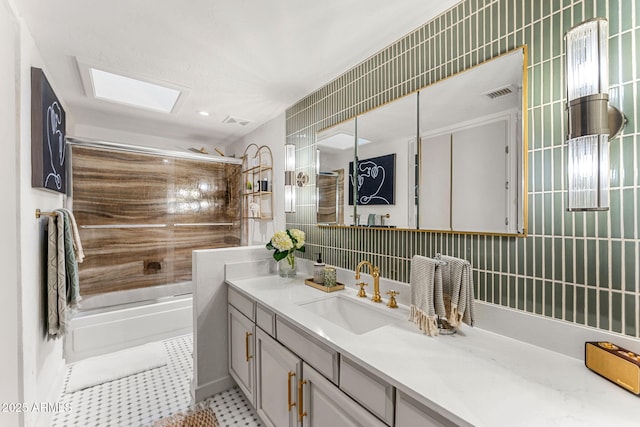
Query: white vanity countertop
x=482 y=378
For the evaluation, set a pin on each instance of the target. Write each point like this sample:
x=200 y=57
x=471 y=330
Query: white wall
x=210 y=350
x=271 y=134
x=32 y=367
x=9 y=289
x=42 y=357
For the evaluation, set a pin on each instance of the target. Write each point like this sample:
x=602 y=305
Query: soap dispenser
x=318 y=270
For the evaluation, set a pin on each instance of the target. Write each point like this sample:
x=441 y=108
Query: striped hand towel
x=63 y=287
x=458 y=284
x=56 y=277
x=426 y=294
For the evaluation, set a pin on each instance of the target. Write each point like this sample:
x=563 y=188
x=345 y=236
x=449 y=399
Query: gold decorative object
x=337 y=287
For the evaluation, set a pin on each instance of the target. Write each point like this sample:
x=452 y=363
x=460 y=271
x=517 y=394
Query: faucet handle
x=361 y=292
x=392 y=299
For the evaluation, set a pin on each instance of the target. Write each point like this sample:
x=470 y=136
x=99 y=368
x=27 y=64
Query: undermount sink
x=356 y=316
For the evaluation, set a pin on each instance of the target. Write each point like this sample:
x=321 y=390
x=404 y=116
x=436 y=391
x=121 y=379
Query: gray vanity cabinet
x=241 y=351
x=293 y=379
x=278 y=373
x=325 y=405
x=411 y=413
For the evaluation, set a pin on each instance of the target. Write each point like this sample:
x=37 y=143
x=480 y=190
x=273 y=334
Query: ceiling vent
x=497 y=93
x=238 y=120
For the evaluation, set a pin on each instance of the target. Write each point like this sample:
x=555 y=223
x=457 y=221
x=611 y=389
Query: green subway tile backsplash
x=630 y=264
x=579 y=267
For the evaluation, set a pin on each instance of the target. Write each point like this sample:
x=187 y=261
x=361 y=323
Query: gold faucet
x=375 y=273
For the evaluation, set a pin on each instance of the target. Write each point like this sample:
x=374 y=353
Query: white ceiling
x=246 y=58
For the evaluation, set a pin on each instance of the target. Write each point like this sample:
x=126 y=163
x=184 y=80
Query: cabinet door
x=241 y=352
x=277 y=374
x=410 y=413
x=325 y=405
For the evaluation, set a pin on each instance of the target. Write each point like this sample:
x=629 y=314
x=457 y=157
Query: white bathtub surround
x=109 y=367
x=210 y=368
x=475 y=377
x=105 y=331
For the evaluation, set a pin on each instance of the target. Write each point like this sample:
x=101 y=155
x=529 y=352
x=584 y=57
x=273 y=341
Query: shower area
x=140 y=213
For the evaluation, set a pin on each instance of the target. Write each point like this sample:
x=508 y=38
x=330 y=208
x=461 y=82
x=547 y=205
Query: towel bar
x=40 y=213
x=437 y=258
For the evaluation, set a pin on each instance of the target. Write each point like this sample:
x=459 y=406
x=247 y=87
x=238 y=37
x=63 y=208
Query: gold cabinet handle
x=246 y=346
x=301 y=412
x=289 y=402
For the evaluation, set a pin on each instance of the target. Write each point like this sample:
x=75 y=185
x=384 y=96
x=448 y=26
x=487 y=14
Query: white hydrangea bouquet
x=285 y=243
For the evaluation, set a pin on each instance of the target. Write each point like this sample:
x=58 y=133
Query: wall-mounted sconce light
x=289 y=178
x=590 y=126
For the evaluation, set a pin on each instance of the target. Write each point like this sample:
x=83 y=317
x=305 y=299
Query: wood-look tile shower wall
x=141 y=215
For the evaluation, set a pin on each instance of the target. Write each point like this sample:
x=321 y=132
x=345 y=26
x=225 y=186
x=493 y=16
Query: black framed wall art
x=375 y=180
x=48 y=149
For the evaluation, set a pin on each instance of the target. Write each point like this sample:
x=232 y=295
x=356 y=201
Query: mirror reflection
x=330 y=197
x=450 y=157
x=471 y=150
x=335 y=148
x=382 y=181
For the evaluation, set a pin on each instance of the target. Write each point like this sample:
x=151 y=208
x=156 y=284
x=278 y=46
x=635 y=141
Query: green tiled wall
x=578 y=267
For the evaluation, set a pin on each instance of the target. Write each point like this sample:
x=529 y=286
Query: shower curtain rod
x=117 y=146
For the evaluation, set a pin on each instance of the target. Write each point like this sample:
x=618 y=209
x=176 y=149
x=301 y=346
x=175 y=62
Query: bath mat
x=112 y=366
x=200 y=415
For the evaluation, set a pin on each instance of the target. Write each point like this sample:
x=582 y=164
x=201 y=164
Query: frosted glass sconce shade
x=289 y=178
x=587 y=59
x=587 y=79
x=588 y=172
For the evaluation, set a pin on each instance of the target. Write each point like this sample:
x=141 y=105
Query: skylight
x=137 y=93
x=340 y=141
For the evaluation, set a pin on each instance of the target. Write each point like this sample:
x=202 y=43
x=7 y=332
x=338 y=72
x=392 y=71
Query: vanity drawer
x=370 y=391
x=244 y=304
x=322 y=357
x=266 y=320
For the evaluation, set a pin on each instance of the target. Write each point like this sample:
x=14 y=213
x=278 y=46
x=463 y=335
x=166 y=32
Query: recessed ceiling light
x=134 y=92
x=203 y=113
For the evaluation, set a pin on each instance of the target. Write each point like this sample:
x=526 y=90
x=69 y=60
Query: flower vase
x=287 y=266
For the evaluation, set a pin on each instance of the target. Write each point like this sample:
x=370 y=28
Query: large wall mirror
x=451 y=157
x=335 y=148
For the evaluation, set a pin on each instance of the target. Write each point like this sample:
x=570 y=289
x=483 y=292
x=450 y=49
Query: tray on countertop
x=337 y=287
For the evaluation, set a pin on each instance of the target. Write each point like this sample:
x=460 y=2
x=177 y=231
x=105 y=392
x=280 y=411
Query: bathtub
x=109 y=322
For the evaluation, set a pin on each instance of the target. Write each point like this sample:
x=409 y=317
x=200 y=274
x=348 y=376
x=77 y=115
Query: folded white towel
x=426 y=294
x=458 y=284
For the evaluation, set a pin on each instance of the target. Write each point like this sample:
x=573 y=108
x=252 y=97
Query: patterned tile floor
x=140 y=399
